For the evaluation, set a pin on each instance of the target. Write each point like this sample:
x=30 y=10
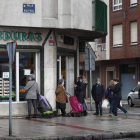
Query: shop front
x=49 y=62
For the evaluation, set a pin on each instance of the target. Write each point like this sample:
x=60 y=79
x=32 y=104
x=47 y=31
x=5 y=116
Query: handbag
x=29 y=88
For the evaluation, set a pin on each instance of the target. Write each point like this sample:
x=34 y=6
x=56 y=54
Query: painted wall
x=48 y=13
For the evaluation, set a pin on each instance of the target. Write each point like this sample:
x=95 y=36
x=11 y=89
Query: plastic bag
x=105 y=104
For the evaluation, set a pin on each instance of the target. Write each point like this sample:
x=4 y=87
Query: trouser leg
x=29 y=102
x=100 y=105
x=120 y=107
x=35 y=106
x=97 y=107
x=115 y=107
x=63 y=112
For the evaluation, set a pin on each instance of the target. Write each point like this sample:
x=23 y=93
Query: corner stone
x=107 y=136
x=80 y=137
x=137 y=134
x=97 y=137
x=88 y=137
x=128 y=134
x=65 y=138
x=117 y=135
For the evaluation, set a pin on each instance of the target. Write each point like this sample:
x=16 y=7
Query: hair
x=97 y=78
x=111 y=83
x=60 y=81
x=32 y=76
x=85 y=80
x=116 y=79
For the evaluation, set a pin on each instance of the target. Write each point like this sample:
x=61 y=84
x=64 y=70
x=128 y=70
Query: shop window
x=133 y=2
x=117 y=35
x=117 y=5
x=4 y=79
x=26 y=63
x=133 y=29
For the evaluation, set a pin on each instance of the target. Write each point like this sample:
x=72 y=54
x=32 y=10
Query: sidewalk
x=58 y=127
x=124 y=102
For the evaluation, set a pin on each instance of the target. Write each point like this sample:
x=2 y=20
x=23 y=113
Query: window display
x=4 y=78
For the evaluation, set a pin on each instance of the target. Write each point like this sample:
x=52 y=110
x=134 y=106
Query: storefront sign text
x=22 y=36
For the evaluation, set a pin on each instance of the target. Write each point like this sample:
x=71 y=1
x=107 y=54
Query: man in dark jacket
x=98 y=92
x=117 y=98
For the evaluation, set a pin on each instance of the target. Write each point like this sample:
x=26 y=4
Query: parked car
x=133 y=97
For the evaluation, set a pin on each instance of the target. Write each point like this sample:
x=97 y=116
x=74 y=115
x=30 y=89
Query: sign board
x=5 y=75
x=27 y=71
x=29 y=8
x=87 y=57
x=22 y=36
x=51 y=42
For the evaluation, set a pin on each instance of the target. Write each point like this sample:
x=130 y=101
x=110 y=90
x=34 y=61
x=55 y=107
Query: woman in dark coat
x=61 y=97
x=81 y=92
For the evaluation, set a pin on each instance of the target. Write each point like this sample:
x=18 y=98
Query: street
x=71 y=126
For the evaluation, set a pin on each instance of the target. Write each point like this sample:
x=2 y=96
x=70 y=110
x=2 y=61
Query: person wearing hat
x=31 y=97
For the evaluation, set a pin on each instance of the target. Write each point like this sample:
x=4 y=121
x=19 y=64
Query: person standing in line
x=98 y=92
x=61 y=98
x=81 y=92
x=117 y=98
x=110 y=97
x=32 y=90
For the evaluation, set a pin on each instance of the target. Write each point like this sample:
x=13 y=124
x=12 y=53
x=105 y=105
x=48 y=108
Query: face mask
x=98 y=82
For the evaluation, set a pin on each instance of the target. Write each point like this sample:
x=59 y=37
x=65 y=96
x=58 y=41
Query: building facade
x=118 y=55
x=47 y=35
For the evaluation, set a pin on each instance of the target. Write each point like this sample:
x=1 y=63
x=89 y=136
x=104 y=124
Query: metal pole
x=10 y=89
x=90 y=73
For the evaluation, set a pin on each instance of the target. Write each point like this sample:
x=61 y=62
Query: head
x=98 y=80
x=61 y=82
x=78 y=78
x=32 y=76
x=116 y=81
x=111 y=83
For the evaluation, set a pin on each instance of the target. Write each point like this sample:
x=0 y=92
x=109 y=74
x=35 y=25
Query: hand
x=111 y=92
x=75 y=86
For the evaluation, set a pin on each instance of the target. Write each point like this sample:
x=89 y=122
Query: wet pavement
x=66 y=126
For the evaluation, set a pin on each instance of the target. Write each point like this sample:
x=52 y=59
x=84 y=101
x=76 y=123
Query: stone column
x=50 y=73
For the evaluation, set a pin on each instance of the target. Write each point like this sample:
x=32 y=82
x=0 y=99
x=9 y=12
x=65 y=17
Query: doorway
x=109 y=76
x=65 y=70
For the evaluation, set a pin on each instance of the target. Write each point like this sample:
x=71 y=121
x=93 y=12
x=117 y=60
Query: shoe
x=110 y=114
x=28 y=117
x=65 y=115
x=114 y=116
x=96 y=114
x=35 y=116
x=101 y=114
x=126 y=114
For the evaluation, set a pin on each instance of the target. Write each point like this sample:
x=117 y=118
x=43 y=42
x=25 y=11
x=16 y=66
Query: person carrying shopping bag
x=110 y=97
x=61 y=97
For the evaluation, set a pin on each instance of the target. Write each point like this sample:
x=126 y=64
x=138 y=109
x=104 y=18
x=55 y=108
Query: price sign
x=5 y=74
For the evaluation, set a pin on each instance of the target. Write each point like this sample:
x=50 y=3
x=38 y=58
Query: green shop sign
x=22 y=36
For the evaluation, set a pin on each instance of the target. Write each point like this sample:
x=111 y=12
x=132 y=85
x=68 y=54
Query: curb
x=104 y=136
x=122 y=103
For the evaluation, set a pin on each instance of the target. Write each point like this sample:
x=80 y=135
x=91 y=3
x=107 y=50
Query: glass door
x=26 y=65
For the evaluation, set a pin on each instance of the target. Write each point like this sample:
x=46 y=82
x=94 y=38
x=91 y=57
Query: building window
x=133 y=29
x=117 y=35
x=117 y=5
x=133 y=2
